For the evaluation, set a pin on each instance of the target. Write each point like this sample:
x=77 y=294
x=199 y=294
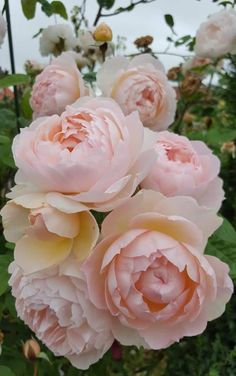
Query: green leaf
x=90 y=77
x=14 y=79
x=38 y=33
x=7 y=120
x=227 y=233
x=25 y=104
x=225 y=3
x=107 y=4
x=29 y=8
x=5 y=260
x=169 y=20
x=44 y=356
x=46 y=7
x=182 y=40
x=4 y=139
x=6 y=153
x=5 y=371
x=222 y=244
x=58 y=7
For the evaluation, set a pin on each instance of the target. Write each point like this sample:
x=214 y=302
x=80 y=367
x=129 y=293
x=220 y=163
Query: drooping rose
x=217 y=36
x=45 y=236
x=92 y=153
x=54 y=304
x=57 y=38
x=140 y=85
x=185 y=167
x=59 y=84
x=150 y=273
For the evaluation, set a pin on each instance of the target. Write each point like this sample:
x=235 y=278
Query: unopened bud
x=188 y=118
x=31 y=350
x=143 y=42
x=208 y=121
x=229 y=147
x=102 y=33
x=173 y=73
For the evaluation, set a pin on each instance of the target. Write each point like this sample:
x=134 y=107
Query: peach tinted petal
x=33 y=254
x=87 y=237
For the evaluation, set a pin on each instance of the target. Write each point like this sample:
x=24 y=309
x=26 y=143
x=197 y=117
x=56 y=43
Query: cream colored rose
x=45 y=236
x=217 y=36
x=140 y=85
x=150 y=273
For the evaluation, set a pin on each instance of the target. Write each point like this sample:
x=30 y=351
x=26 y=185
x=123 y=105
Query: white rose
x=217 y=36
x=56 y=39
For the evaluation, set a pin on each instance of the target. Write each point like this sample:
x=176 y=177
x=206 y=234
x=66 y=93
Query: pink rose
x=92 y=153
x=55 y=306
x=217 y=36
x=186 y=168
x=45 y=236
x=140 y=85
x=58 y=85
x=150 y=273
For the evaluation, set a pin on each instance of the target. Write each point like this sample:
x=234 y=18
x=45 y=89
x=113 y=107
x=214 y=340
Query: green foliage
x=169 y=20
x=222 y=244
x=55 y=7
x=4 y=263
x=107 y=4
x=13 y=80
x=4 y=371
x=29 y=8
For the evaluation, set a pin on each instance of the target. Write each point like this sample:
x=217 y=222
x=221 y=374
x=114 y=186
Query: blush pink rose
x=45 y=236
x=93 y=153
x=150 y=273
x=217 y=36
x=185 y=167
x=55 y=306
x=140 y=85
x=58 y=85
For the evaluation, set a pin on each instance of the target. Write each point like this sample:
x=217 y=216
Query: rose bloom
x=3 y=29
x=92 y=153
x=150 y=272
x=54 y=304
x=58 y=85
x=45 y=236
x=56 y=39
x=217 y=36
x=140 y=85
x=185 y=167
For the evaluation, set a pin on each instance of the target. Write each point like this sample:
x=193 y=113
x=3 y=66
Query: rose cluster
x=141 y=276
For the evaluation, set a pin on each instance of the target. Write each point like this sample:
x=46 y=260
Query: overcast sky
x=144 y=19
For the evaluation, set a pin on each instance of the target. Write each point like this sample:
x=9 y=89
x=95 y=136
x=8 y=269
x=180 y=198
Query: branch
x=99 y=14
x=126 y=9
x=161 y=53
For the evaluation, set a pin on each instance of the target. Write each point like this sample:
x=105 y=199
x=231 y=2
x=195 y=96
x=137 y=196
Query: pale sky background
x=144 y=19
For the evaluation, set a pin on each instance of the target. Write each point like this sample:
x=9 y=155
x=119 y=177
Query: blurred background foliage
x=206 y=111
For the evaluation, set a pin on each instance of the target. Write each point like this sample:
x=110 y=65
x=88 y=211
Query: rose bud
x=102 y=33
x=31 y=350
